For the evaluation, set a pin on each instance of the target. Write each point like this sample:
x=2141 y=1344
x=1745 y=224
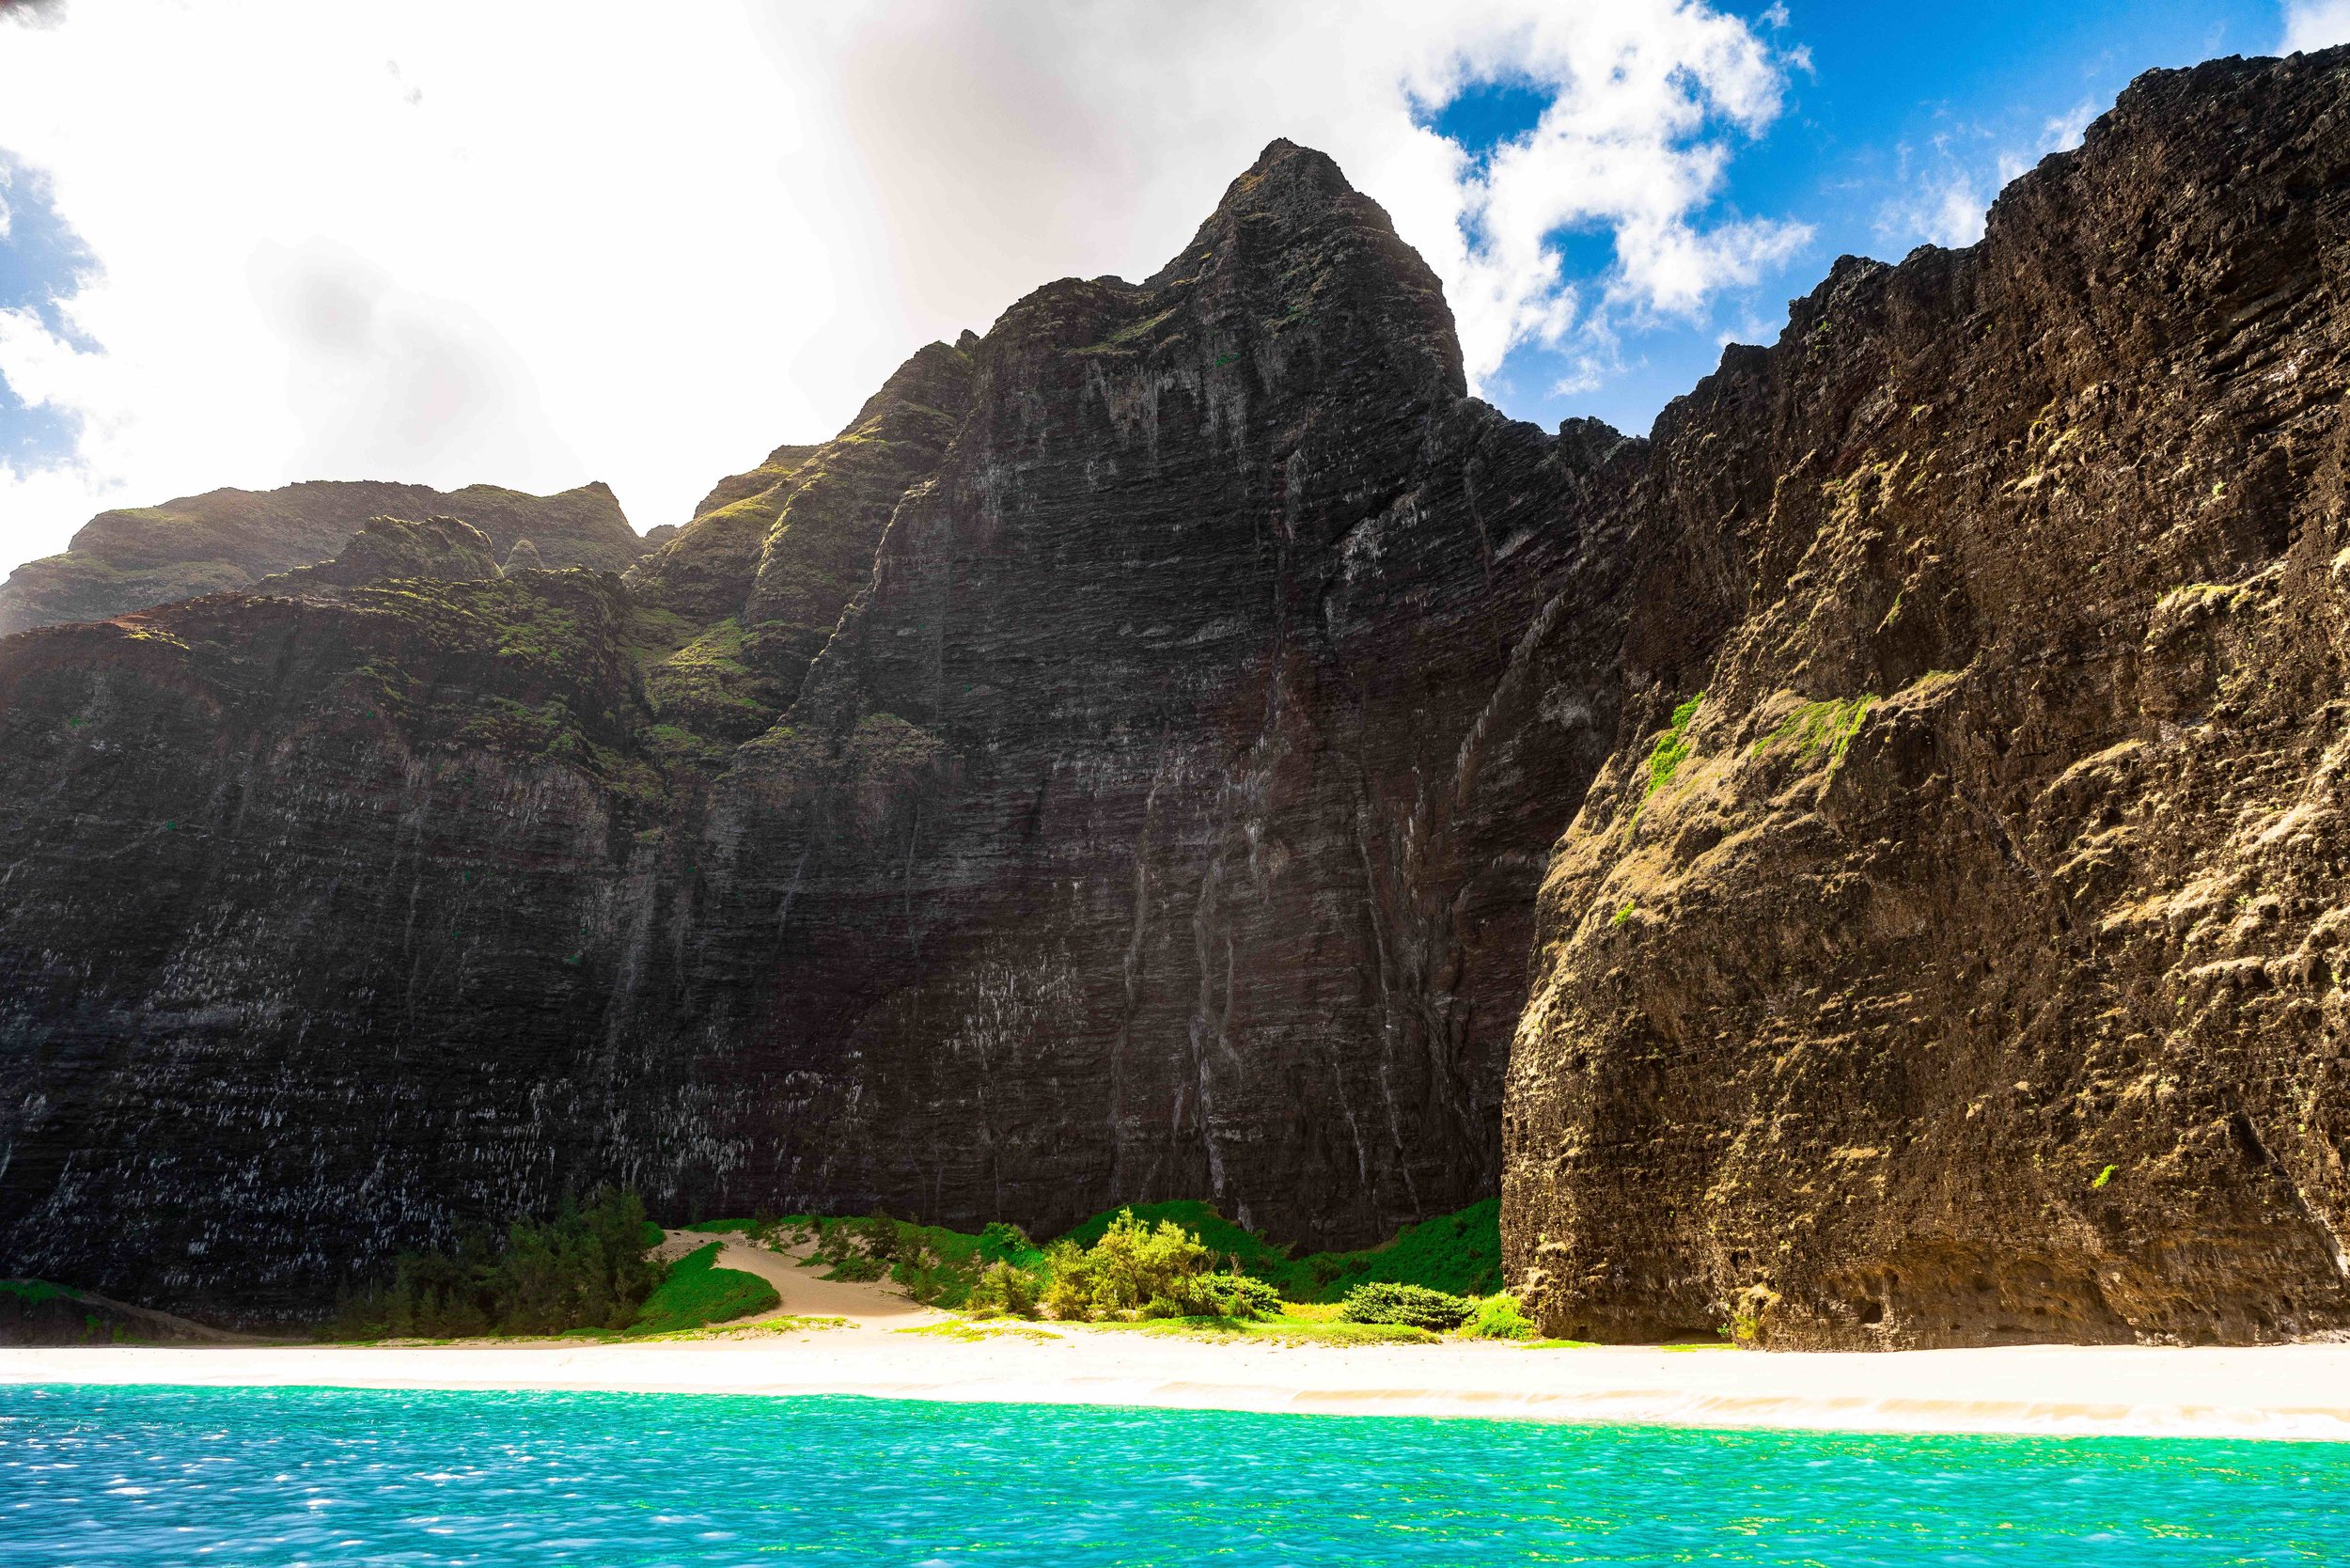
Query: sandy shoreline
x=2294 y=1391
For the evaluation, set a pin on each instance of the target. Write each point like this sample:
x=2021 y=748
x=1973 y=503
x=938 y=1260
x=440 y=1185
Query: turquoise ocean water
x=280 y=1475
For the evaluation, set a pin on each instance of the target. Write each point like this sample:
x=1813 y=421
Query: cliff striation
x=1138 y=755
x=1953 y=949
x=1119 y=765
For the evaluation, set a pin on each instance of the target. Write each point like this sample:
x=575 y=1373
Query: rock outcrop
x=142 y=556
x=1119 y=765
x=1137 y=757
x=1955 y=948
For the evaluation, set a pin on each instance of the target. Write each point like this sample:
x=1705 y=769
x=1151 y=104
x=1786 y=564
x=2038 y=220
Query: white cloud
x=537 y=245
x=1952 y=186
x=2314 y=25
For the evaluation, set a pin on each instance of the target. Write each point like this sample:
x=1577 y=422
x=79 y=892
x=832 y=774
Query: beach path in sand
x=805 y=1291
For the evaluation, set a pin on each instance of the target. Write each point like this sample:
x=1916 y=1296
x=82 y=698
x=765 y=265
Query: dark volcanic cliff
x=1968 y=965
x=1118 y=765
x=140 y=557
x=1130 y=760
x=1165 y=815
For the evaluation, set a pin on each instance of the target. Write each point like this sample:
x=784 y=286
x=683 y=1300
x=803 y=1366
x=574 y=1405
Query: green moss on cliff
x=1820 y=728
x=1672 y=747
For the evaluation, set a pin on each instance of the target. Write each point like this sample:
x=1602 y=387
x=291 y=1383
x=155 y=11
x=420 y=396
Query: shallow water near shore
x=281 y=1476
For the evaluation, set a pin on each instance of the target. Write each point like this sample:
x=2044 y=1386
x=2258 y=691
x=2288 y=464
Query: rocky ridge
x=142 y=556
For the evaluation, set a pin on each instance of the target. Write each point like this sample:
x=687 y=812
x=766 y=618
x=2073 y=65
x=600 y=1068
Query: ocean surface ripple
x=92 y=1475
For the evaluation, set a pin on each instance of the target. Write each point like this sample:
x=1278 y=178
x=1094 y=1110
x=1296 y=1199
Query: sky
x=539 y=243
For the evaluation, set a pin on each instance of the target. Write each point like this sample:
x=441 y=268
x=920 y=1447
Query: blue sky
x=541 y=244
x=1900 y=102
x=42 y=259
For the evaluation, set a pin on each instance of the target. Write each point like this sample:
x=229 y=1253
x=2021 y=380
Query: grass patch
x=1459 y=1253
x=698 y=1293
x=1819 y=728
x=974 y=1333
x=1279 y=1330
x=1672 y=747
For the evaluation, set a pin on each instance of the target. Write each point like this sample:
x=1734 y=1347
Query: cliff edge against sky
x=1137 y=756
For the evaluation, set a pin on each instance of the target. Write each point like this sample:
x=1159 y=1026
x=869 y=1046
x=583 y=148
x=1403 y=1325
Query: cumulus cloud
x=537 y=245
x=2314 y=25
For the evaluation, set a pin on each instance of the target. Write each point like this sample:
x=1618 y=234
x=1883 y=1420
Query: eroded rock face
x=1165 y=817
x=1967 y=964
x=142 y=556
x=1117 y=766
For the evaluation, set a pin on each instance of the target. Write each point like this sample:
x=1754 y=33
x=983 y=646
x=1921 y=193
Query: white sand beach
x=2292 y=1391
x=892 y=1348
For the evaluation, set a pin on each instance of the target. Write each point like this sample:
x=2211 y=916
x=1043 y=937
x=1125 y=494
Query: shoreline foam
x=2289 y=1392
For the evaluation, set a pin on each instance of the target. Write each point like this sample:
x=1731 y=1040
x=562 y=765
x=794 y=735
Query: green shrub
x=1242 y=1295
x=1000 y=1242
x=1244 y=1249
x=1672 y=747
x=1003 y=1292
x=585 y=1268
x=1459 y=1253
x=699 y=1292
x=1412 y=1305
x=1136 y=1269
x=1497 y=1317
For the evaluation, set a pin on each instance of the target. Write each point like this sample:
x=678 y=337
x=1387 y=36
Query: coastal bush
x=1497 y=1317
x=1140 y=1270
x=585 y=1268
x=697 y=1291
x=1412 y=1305
x=1459 y=1253
x=1003 y=1292
x=1238 y=1248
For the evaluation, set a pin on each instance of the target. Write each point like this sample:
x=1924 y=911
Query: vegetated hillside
x=1117 y=766
x=141 y=556
x=1954 y=951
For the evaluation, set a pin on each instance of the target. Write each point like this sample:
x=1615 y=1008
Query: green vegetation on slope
x=1673 y=747
x=1457 y=1253
x=697 y=1291
x=585 y=1268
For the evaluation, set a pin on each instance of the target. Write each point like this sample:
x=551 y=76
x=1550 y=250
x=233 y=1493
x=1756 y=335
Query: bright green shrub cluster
x=1497 y=1317
x=585 y=1268
x=1413 y=1305
x=1458 y=1252
x=699 y=1292
x=1140 y=1270
x=1004 y=1291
